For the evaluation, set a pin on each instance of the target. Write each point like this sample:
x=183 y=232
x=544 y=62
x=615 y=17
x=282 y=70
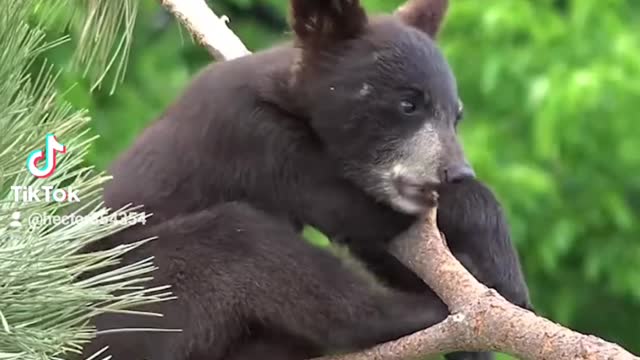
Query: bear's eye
x=407 y=107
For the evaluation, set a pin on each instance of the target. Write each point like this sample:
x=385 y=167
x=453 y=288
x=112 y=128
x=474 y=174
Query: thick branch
x=208 y=29
x=481 y=319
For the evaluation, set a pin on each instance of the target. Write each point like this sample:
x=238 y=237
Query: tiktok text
x=29 y=194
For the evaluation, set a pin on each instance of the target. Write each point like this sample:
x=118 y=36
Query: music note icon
x=52 y=148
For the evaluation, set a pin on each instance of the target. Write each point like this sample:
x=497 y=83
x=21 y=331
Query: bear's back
x=199 y=150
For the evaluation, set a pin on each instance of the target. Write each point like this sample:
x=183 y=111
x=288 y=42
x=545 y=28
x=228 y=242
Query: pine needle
x=45 y=306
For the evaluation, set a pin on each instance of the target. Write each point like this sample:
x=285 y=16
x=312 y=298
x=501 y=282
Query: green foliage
x=551 y=90
x=550 y=95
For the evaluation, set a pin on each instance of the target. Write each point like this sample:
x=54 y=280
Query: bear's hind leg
x=312 y=295
x=233 y=266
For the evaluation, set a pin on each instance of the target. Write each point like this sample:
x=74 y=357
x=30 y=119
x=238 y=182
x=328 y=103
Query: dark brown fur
x=260 y=145
x=424 y=14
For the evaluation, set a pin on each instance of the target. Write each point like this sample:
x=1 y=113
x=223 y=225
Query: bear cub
x=345 y=128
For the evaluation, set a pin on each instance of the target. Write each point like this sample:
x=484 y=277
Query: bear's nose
x=458 y=172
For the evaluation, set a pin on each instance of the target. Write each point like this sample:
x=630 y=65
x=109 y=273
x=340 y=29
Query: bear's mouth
x=412 y=197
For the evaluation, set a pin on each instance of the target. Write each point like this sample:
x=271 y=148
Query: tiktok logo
x=52 y=147
x=27 y=194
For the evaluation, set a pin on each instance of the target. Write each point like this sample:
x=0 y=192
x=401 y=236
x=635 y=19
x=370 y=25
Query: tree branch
x=208 y=29
x=481 y=319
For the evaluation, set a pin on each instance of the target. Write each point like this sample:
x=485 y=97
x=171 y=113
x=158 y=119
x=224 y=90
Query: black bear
x=345 y=129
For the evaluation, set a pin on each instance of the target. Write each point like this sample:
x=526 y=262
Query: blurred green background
x=552 y=94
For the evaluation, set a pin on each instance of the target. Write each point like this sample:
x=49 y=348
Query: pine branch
x=481 y=319
x=45 y=306
x=104 y=30
x=105 y=37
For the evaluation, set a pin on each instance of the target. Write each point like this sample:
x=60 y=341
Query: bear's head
x=380 y=96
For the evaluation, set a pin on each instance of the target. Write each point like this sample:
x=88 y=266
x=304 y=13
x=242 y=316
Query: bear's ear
x=425 y=15
x=321 y=21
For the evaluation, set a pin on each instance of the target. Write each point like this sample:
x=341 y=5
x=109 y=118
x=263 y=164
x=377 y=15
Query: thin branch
x=207 y=28
x=481 y=319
